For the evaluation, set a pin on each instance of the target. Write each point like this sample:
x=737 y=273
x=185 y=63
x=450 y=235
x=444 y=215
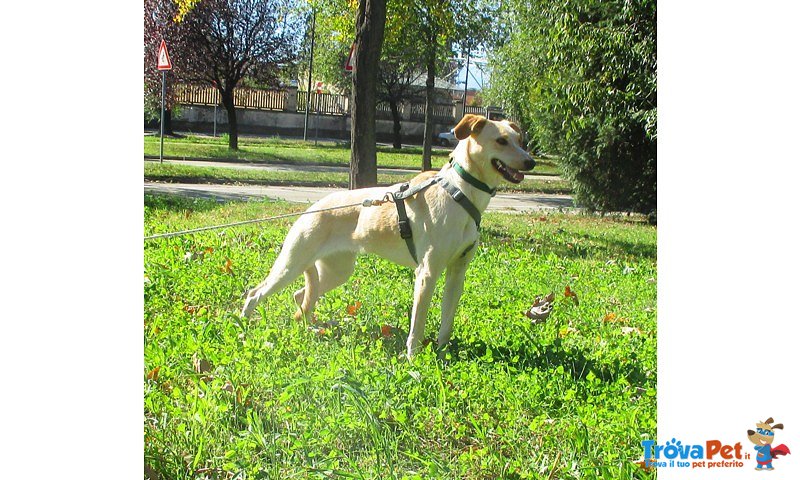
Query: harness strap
x=402 y=219
x=402 y=216
x=462 y=200
x=407 y=191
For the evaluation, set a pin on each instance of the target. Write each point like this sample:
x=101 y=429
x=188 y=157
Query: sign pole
x=163 y=65
x=163 y=95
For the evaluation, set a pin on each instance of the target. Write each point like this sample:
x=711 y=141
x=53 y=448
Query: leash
x=365 y=203
x=398 y=198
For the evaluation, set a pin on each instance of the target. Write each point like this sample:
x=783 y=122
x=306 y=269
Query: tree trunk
x=370 y=23
x=233 y=126
x=396 y=127
x=427 y=141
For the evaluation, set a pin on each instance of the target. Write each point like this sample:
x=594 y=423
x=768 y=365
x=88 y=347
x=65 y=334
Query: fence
x=322 y=103
x=196 y=95
x=242 y=97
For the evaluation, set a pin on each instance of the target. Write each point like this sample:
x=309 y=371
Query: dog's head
x=764 y=433
x=493 y=149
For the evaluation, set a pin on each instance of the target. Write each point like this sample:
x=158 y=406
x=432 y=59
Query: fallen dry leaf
x=564 y=331
x=227 y=267
x=201 y=365
x=353 y=309
x=386 y=330
x=569 y=293
x=320 y=331
x=541 y=308
x=629 y=330
x=153 y=374
x=192 y=309
x=614 y=318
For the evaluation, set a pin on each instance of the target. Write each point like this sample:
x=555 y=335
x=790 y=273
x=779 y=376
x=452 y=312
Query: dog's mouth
x=511 y=175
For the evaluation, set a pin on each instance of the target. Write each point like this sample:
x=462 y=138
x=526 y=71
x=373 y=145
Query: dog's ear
x=470 y=124
x=778 y=425
x=516 y=128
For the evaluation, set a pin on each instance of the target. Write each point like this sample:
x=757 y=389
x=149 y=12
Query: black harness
x=455 y=193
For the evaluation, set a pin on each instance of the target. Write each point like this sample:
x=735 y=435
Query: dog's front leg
x=424 y=286
x=453 y=287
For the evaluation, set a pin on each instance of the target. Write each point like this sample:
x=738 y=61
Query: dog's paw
x=249 y=306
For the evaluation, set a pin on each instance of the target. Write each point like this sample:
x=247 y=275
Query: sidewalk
x=502 y=202
x=288 y=167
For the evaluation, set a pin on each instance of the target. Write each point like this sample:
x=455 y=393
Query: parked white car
x=446 y=139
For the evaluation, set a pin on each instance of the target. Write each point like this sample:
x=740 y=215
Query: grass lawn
x=272 y=398
x=155 y=171
x=277 y=150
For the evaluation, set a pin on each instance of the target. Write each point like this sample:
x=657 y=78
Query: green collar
x=472 y=180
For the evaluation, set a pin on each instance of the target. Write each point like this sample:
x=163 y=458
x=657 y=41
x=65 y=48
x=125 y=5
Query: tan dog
x=323 y=246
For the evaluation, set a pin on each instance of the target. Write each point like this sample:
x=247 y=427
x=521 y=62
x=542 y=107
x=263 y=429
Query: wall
x=200 y=119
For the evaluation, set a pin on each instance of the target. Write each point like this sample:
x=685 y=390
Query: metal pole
x=163 y=94
x=466 y=82
x=215 y=120
x=310 y=72
x=316 y=136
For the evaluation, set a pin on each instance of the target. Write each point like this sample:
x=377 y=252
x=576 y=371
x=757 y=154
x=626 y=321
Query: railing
x=383 y=111
x=259 y=99
x=442 y=113
x=322 y=103
x=197 y=95
x=242 y=97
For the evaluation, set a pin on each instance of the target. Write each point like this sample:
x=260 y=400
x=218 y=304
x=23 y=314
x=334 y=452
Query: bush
x=581 y=76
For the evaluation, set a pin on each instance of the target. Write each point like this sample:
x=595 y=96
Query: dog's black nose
x=750 y=432
x=529 y=164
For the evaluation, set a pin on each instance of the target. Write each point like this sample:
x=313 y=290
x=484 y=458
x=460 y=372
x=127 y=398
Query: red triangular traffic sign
x=349 y=65
x=163 y=57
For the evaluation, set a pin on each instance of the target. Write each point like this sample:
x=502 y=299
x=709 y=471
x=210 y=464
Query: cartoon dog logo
x=763 y=437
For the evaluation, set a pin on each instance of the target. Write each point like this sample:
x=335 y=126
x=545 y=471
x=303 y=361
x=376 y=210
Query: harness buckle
x=405 y=228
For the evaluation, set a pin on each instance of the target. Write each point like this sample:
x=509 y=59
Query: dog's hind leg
x=310 y=294
x=293 y=260
x=331 y=272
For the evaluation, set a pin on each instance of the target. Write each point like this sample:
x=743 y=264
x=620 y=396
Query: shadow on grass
x=599 y=246
x=179 y=203
x=549 y=357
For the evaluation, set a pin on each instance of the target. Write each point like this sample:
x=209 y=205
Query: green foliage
x=268 y=398
x=581 y=76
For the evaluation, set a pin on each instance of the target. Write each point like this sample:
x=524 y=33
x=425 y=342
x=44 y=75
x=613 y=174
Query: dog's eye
x=502 y=141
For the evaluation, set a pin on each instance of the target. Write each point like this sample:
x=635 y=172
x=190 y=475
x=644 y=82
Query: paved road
x=508 y=202
x=284 y=167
